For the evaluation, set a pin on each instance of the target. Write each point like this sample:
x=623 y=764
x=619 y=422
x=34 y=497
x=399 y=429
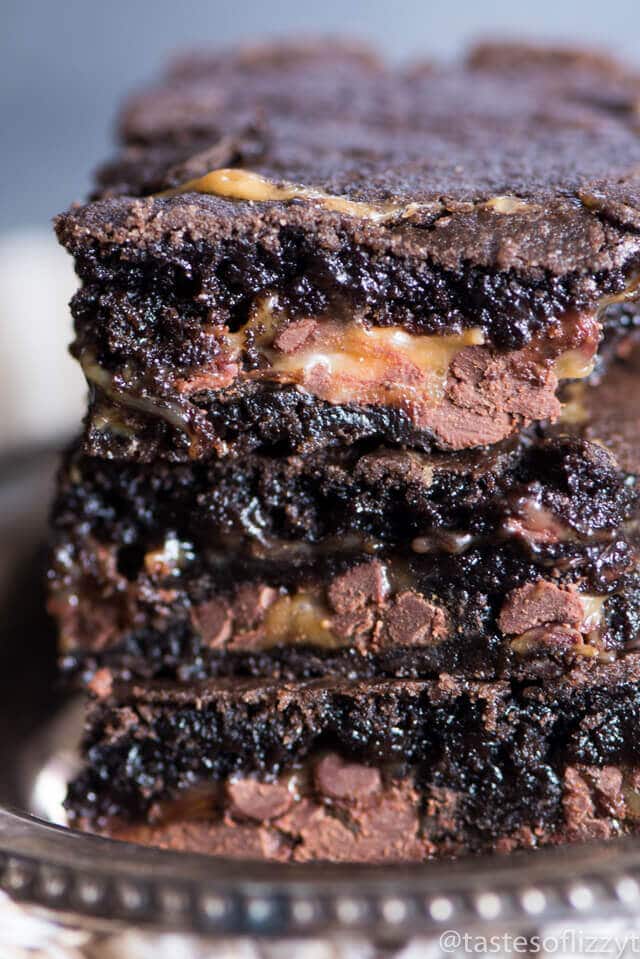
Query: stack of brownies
x=347 y=553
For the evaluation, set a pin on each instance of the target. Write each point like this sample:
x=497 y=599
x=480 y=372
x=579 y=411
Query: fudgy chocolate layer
x=469 y=766
x=284 y=269
x=545 y=495
x=238 y=566
x=484 y=613
x=442 y=139
x=342 y=811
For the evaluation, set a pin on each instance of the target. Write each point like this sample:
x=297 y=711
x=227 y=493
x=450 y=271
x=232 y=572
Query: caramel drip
x=593 y=611
x=574 y=410
x=236 y=184
x=574 y=365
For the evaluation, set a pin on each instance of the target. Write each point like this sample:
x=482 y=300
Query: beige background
x=41 y=391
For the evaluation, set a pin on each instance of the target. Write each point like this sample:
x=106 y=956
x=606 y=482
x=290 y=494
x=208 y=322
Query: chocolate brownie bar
x=348 y=554
x=508 y=561
x=299 y=246
x=364 y=771
x=390 y=616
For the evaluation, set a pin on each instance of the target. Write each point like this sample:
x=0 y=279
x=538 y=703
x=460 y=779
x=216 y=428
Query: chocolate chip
x=535 y=604
x=362 y=584
x=338 y=779
x=580 y=814
x=411 y=620
x=258 y=800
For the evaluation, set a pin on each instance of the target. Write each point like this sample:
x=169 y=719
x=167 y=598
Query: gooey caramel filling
x=299 y=618
x=592 y=628
x=304 y=618
x=593 y=607
x=348 y=362
x=343 y=362
x=574 y=365
x=363 y=345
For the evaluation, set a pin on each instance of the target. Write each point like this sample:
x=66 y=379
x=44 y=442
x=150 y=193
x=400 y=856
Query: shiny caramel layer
x=236 y=184
x=454 y=385
x=346 y=362
x=250 y=187
x=382 y=365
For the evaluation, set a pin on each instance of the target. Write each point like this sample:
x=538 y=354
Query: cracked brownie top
x=516 y=158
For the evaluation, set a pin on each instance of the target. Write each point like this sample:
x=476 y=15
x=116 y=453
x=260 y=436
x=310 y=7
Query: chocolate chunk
x=411 y=620
x=608 y=789
x=487 y=394
x=355 y=626
x=581 y=817
x=338 y=779
x=383 y=829
x=360 y=585
x=214 y=622
x=512 y=384
x=294 y=335
x=317 y=834
x=250 y=603
x=535 y=604
x=258 y=800
x=389 y=830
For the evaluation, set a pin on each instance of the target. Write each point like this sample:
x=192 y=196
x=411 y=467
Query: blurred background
x=64 y=66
